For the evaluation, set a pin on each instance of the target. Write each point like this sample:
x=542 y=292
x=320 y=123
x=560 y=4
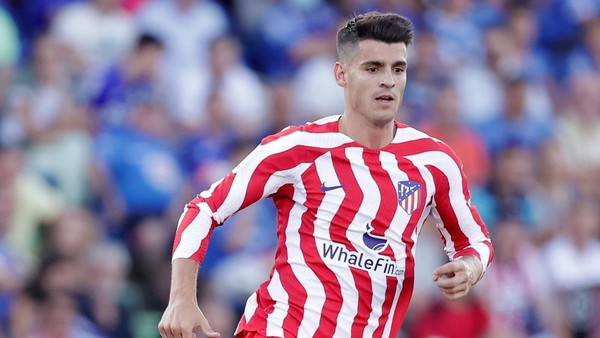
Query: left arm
x=466 y=238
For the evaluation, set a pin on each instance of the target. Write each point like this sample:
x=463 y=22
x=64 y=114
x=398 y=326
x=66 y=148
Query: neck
x=366 y=133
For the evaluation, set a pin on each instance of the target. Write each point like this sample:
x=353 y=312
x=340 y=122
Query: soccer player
x=352 y=193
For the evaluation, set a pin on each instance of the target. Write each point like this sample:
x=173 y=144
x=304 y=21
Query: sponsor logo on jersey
x=380 y=264
x=361 y=260
x=374 y=242
x=409 y=195
x=332 y=187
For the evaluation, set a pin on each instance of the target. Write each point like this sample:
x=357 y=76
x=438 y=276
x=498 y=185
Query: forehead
x=373 y=50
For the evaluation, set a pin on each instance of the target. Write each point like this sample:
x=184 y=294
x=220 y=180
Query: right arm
x=183 y=316
x=261 y=174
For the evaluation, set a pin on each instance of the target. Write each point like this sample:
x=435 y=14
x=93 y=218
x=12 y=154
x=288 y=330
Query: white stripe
x=275 y=318
x=410 y=134
x=195 y=233
x=274 y=181
x=250 y=308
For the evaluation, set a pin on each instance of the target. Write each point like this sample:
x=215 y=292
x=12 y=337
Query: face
x=373 y=79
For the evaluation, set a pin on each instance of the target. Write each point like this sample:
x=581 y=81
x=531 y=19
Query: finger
x=451 y=294
x=212 y=334
x=449 y=283
x=179 y=331
x=445 y=271
x=187 y=332
x=457 y=289
x=456 y=292
x=448 y=269
x=454 y=295
x=208 y=331
x=165 y=330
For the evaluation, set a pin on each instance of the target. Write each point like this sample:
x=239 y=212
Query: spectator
x=516 y=125
x=30 y=204
x=12 y=269
x=447 y=125
x=244 y=97
x=137 y=172
x=96 y=33
x=508 y=195
x=52 y=123
x=464 y=318
x=107 y=302
x=427 y=74
x=572 y=259
x=113 y=95
x=578 y=128
x=186 y=27
x=554 y=190
x=59 y=317
x=10 y=45
x=291 y=32
x=518 y=292
x=586 y=58
x=459 y=39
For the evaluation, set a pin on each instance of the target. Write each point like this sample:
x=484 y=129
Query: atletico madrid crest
x=409 y=195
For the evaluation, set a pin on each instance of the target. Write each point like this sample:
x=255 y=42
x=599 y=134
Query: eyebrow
x=381 y=64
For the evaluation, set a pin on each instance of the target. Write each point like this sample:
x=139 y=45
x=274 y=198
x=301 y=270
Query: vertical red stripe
x=409 y=270
x=346 y=213
x=365 y=298
x=383 y=220
x=333 y=293
x=352 y=200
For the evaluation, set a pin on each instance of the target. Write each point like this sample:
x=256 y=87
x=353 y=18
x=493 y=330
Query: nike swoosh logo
x=333 y=187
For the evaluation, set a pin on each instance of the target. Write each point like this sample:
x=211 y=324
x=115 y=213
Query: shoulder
x=419 y=141
x=308 y=133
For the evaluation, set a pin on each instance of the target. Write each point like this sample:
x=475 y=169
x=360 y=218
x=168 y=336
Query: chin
x=382 y=118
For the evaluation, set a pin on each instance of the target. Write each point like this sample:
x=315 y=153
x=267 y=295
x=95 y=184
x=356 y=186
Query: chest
x=351 y=188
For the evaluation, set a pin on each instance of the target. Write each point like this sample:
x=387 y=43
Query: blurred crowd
x=114 y=113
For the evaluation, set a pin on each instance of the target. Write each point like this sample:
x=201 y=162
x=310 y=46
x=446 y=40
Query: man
x=352 y=193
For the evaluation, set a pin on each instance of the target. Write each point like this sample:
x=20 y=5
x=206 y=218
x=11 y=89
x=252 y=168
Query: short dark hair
x=145 y=40
x=385 y=27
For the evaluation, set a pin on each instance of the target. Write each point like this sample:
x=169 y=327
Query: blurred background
x=114 y=113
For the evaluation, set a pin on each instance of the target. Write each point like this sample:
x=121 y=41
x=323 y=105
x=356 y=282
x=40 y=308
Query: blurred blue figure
x=510 y=192
x=516 y=125
x=292 y=31
x=138 y=173
x=115 y=90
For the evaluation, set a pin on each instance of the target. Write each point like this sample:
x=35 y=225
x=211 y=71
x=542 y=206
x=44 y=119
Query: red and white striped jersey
x=348 y=221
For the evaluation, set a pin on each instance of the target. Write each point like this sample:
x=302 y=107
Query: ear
x=339 y=72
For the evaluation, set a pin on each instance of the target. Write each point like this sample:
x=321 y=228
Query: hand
x=456 y=278
x=181 y=319
x=183 y=316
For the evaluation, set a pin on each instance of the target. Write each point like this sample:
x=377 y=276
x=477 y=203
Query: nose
x=387 y=80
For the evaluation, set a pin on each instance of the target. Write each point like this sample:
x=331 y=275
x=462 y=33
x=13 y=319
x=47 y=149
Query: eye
x=372 y=69
x=399 y=70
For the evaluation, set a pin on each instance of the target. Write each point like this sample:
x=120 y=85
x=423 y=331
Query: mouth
x=385 y=98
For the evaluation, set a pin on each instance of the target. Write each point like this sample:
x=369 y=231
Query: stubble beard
x=381 y=119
